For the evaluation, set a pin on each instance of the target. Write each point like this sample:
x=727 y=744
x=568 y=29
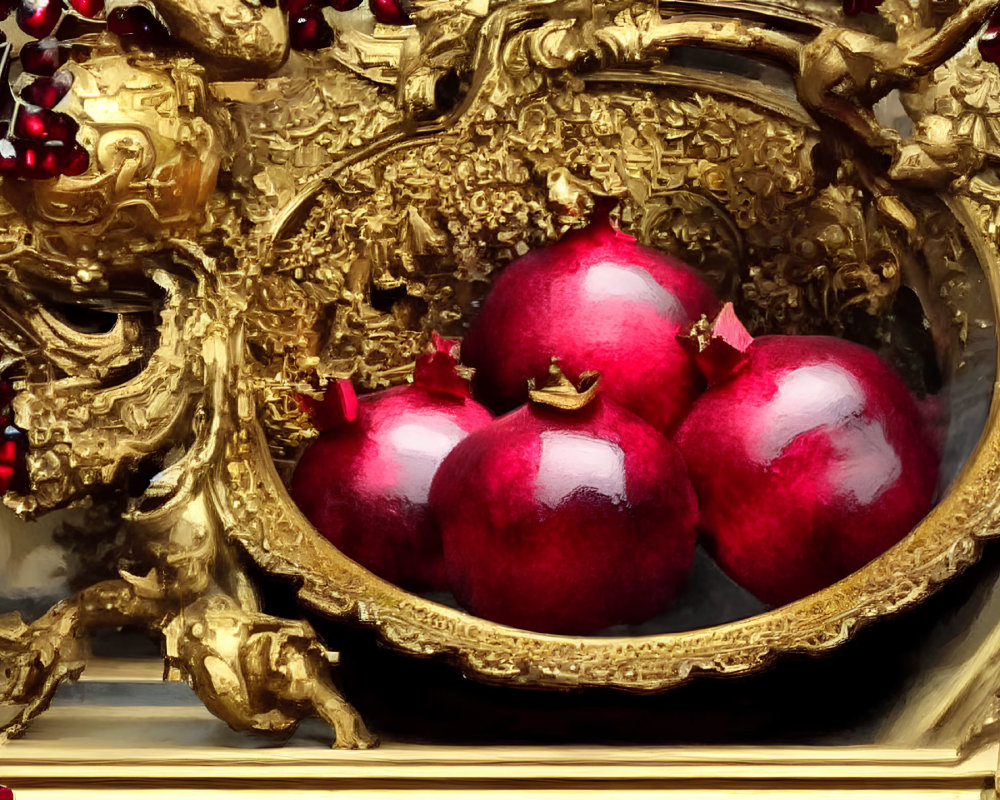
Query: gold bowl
x=715 y=229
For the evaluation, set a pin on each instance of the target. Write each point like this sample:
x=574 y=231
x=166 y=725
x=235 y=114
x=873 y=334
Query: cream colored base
x=87 y=751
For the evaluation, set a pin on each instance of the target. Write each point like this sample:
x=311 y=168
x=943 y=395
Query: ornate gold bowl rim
x=258 y=512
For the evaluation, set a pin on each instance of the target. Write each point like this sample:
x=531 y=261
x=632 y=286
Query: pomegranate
x=809 y=460
x=566 y=519
x=364 y=483
x=596 y=300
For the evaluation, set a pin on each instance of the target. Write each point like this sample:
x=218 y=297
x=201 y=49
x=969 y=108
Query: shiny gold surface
x=259 y=229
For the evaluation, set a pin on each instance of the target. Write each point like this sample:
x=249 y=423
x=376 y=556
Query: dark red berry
x=88 y=8
x=343 y=5
x=38 y=18
x=6 y=6
x=8 y=466
x=308 y=30
x=294 y=7
x=389 y=12
x=989 y=42
x=43 y=125
x=8 y=156
x=13 y=467
x=6 y=395
x=74 y=161
x=47 y=92
x=137 y=25
x=13 y=475
x=43 y=58
x=38 y=161
x=853 y=8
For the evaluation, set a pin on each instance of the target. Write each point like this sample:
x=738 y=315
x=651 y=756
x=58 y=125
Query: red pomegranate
x=566 y=520
x=364 y=483
x=596 y=300
x=809 y=459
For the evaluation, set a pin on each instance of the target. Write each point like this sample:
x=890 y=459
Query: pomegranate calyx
x=338 y=405
x=602 y=225
x=720 y=347
x=560 y=392
x=438 y=369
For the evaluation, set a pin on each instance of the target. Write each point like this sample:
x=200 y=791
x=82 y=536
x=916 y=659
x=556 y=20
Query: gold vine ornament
x=258 y=222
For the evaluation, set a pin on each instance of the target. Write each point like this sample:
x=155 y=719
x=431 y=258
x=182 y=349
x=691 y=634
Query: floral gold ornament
x=261 y=214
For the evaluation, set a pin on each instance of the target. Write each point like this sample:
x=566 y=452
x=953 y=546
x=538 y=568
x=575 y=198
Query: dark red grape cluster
x=309 y=30
x=42 y=18
x=40 y=142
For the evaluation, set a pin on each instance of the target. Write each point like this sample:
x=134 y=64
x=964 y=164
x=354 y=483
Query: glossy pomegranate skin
x=566 y=522
x=808 y=463
x=596 y=300
x=364 y=485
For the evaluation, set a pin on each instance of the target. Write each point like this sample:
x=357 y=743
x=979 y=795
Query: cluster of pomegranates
x=634 y=416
